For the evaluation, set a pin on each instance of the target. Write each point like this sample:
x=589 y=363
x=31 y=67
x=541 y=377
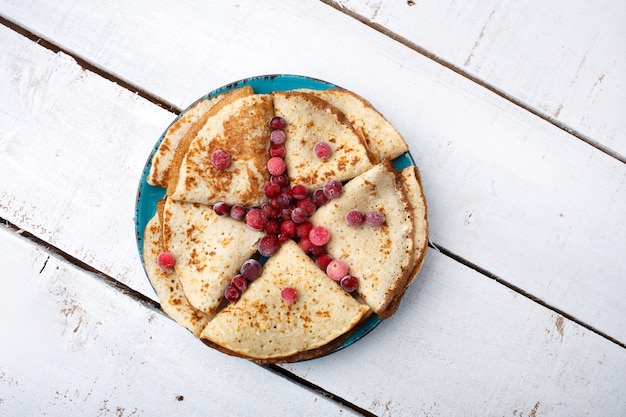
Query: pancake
x=380 y=257
x=239 y=127
x=209 y=250
x=261 y=326
x=191 y=120
x=166 y=283
x=381 y=137
x=411 y=181
x=311 y=120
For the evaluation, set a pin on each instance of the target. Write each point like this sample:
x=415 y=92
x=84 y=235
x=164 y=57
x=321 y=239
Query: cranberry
x=298 y=215
x=281 y=180
x=232 y=294
x=277 y=150
x=299 y=191
x=276 y=166
x=323 y=260
x=282 y=238
x=308 y=205
x=319 y=235
x=333 y=189
x=251 y=269
x=318 y=251
x=166 y=260
x=271 y=190
x=239 y=282
x=288 y=228
x=354 y=217
x=277 y=122
x=374 y=218
x=322 y=150
x=337 y=269
x=285 y=213
x=288 y=294
x=256 y=219
x=238 y=212
x=221 y=209
x=349 y=283
x=283 y=200
x=220 y=159
x=278 y=137
x=305 y=244
x=272 y=227
x=304 y=229
x=268 y=245
x=319 y=198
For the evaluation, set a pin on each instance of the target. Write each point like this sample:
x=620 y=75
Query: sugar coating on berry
x=251 y=269
x=298 y=215
x=277 y=122
x=276 y=165
x=354 y=217
x=337 y=269
x=374 y=218
x=299 y=191
x=220 y=159
x=349 y=283
x=268 y=245
x=288 y=294
x=166 y=260
x=271 y=190
x=256 y=219
x=319 y=235
x=322 y=150
x=278 y=137
x=238 y=212
x=332 y=189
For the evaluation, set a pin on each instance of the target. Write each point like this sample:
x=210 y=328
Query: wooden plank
x=67 y=352
x=565 y=60
x=466 y=346
x=506 y=190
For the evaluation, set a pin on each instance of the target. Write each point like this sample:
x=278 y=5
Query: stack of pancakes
x=210 y=249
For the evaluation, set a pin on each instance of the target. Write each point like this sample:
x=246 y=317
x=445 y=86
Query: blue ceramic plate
x=148 y=196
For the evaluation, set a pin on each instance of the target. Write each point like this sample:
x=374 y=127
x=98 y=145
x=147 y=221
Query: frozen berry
x=337 y=269
x=276 y=166
x=283 y=200
x=256 y=219
x=271 y=190
x=323 y=260
x=308 y=205
x=282 y=238
x=221 y=209
x=278 y=137
x=288 y=294
x=239 y=282
x=305 y=244
x=354 y=217
x=374 y=218
x=333 y=189
x=277 y=149
x=166 y=260
x=268 y=245
x=238 y=212
x=319 y=198
x=251 y=269
x=232 y=294
x=349 y=283
x=220 y=159
x=317 y=251
x=281 y=180
x=272 y=227
x=319 y=235
x=322 y=150
x=288 y=228
x=298 y=191
x=304 y=229
x=277 y=122
x=298 y=215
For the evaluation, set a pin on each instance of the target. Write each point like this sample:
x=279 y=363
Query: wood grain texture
x=507 y=191
x=565 y=60
x=67 y=352
x=466 y=346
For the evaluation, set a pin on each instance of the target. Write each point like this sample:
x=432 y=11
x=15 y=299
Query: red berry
x=319 y=198
x=256 y=219
x=333 y=189
x=288 y=295
x=319 y=235
x=374 y=218
x=285 y=213
x=220 y=159
x=281 y=180
x=272 y=227
x=308 y=205
x=268 y=245
x=277 y=122
x=278 y=150
x=337 y=269
x=276 y=166
x=318 y=251
x=323 y=260
x=278 y=137
x=271 y=190
x=299 y=191
x=288 y=228
x=354 y=217
x=349 y=283
x=322 y=150
x=283 y=200
x=282 y=238
x=239 y=282
x=221 y=209
x=232 y=294
x=304 y=229
x=305 y=244
x=251 y=269
x=298 y=215
x=166 y=260
x=238 y=212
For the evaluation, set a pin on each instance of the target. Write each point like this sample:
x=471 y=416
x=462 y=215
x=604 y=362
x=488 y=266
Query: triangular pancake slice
x=241 y=128
x=311 y=120
x=190 y=121
x=261 y=326
x=380 y=257
x=411 y=181
x=209 y=250
x=166 y=283
x=380 y=135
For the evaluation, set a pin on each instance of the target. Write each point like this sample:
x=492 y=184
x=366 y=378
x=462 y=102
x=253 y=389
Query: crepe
x=209 y=250
x=166 y=283
x=380 y=257
x=190 y=121
x=311 y=120
x=260 y=325
x=381 y=137
x=411 y=181
x=239 y=127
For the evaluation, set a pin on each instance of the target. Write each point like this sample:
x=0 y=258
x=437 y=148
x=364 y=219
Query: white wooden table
x=515 y=113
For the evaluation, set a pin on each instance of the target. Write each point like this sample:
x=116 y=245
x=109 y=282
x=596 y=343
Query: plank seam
x=422 y=51
x=522 y=292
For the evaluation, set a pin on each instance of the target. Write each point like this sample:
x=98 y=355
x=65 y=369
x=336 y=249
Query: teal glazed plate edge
x=148 y=195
